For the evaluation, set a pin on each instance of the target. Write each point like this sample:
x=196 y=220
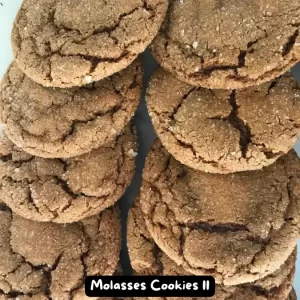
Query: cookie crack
x=83 y=258
x=176 y=109
x=29 y=198
x=240 y=125
x=75 y=123
x=15 y=294
x=157 y=253
x=20 y=162
x=95 y=60
x=189 y=146
x=80 y=283
x=179 y=140
x=259 y=291
x=269 y=153
x=215 y=228
x=66 y=188
x=36 y=290
x=48 y=275
x=288 y=47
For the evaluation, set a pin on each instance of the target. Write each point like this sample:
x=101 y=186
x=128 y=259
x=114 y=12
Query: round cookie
x=228 y=44
x=63 y=44
x=238 y=228
x=66 y=190
x=52 y=123
x=43 y=261
x=221 y=131
x=147 y=259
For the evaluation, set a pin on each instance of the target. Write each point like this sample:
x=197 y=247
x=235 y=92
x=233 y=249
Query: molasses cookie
x=52 y=123
x=238 y=228
x=43 y=261
x=72 y=43
x=229 y=44
x=147 y=259
x=221 y=131
x=66 y=190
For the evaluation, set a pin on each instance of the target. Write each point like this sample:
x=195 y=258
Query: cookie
x=238 y=228
x=66 y=190
x=221 y=131
x=225 y=44
x=147 y=259
x=293 y=295
x=63 y=44
x=43 y=261
x=53 y=123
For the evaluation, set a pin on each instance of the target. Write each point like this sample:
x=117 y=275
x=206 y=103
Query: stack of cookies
x=221 y=186
x=68 y=151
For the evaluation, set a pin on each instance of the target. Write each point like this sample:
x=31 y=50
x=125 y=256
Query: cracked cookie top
x=72 y=43
x=244 y=225
x=66 y=190
x=43 y=261
x=50 y=122
x=148 y=259
x=223 y=131
x=229 y=44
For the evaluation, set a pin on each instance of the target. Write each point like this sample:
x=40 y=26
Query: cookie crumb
x=88 y=79
x=195 y=45
x=132 y=153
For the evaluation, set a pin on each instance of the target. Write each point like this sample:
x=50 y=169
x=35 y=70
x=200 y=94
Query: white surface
x=8 y=10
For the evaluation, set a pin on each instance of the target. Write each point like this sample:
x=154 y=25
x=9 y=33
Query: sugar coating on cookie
x=66 y=190
x=229 y=44
x=225 y=131
x=43 y=261
x=245 y=225
x=72 y=43
x=148 y=259
x=51 y=122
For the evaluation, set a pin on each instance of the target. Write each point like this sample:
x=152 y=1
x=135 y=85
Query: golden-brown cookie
x=222 y=131
x=229 y=44
x=244 y=225
x=52 y=123
x=147 y=259
x=43 y=261
x=66 y=190
x=72 y=43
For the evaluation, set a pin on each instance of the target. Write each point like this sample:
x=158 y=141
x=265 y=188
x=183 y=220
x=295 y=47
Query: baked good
x=63 y=44
x=238 y=228
x=66 y=190
x=293 y=295
x=147 y=259
x=50 y=122
x=229 y=44
x=224 y=131
x=43 y=261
